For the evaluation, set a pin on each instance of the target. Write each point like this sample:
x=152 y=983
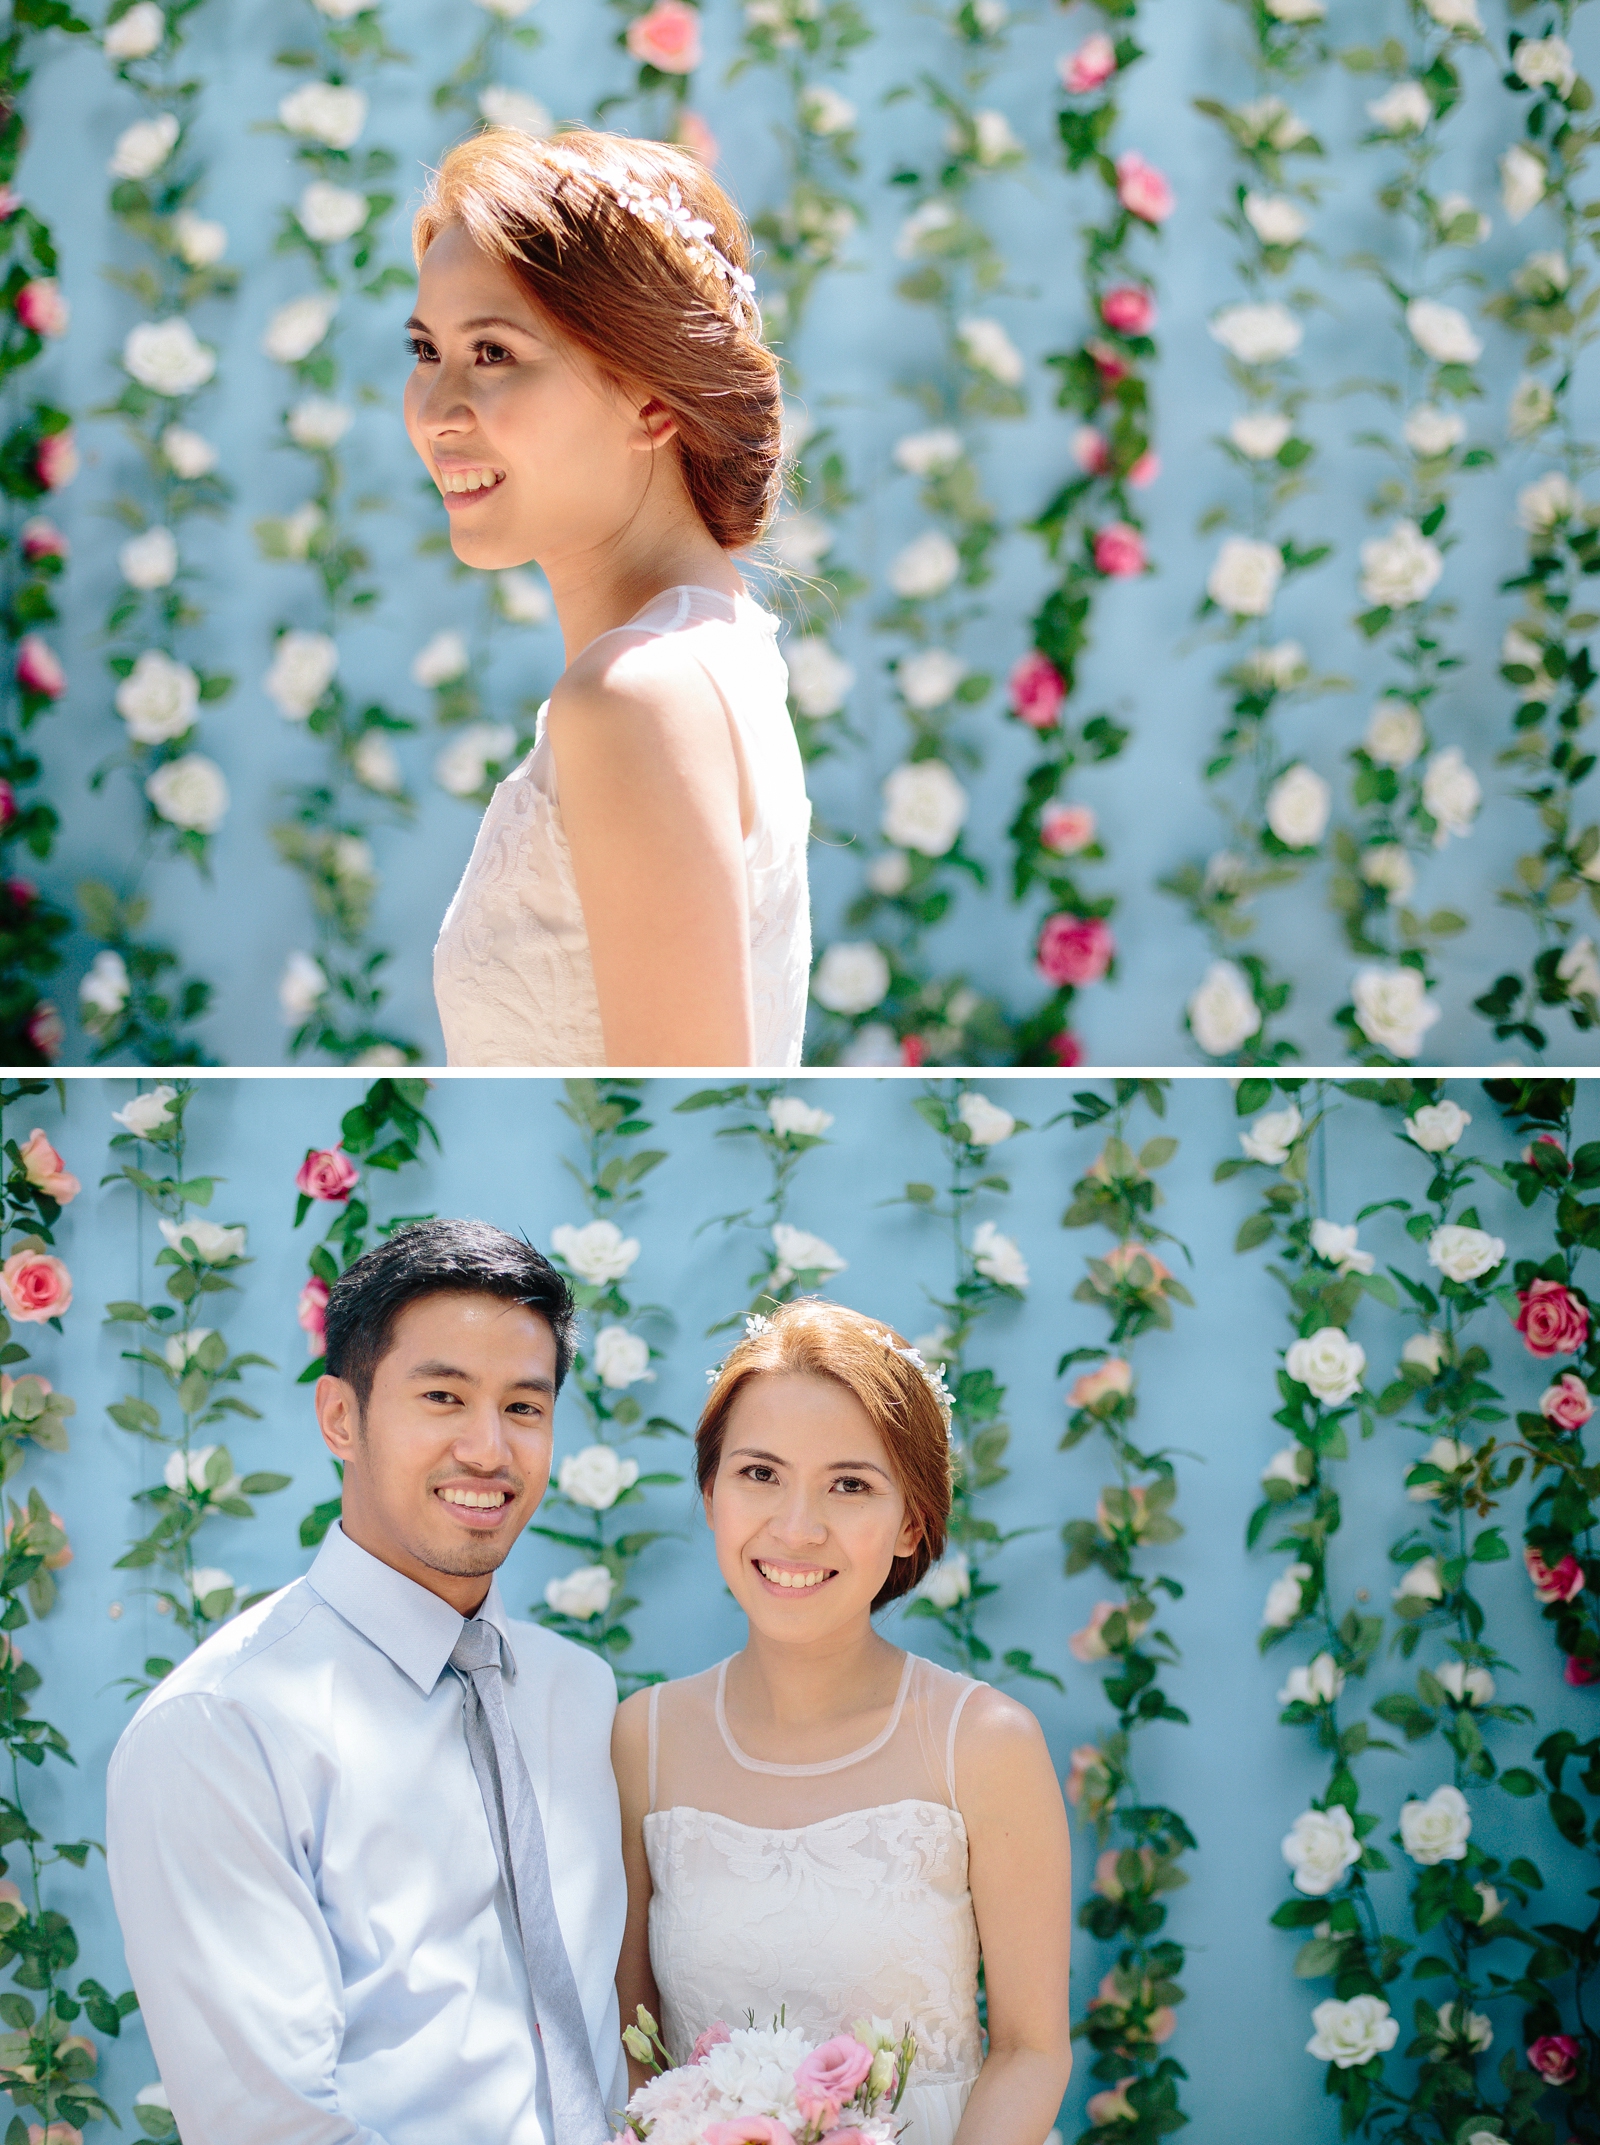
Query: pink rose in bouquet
x=750 y=2130
x=713 y=2037
x=769 y=2086
x=828 y=2077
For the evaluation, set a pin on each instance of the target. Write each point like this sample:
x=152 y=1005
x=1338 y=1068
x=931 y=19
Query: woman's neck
x=604 y=585
x=783 y=1690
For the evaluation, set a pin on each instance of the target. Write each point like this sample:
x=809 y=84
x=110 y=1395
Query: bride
x=591 y=392
x=823 y=1824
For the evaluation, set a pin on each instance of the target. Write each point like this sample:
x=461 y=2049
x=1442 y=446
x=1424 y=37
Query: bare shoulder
x=1001 y=1753
x=632 y=685
x=630 y=1732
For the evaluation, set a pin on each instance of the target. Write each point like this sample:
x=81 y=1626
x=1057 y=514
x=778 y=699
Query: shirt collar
x=415 y=1628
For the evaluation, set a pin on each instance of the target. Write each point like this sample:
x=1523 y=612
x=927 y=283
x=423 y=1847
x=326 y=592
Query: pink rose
x=58 y=1559
x=1111 y=365
x=1128 y=310
x=1581 y=1670
x=41 y=1165
x=23 y=892
x=1145 y=470
x=852 y=2136
x=1121 y=1257
x=667 y=38
x=1066 y=1048
x=1111 y=1376
x=1141 y=189
x=827 y=2078
x=54 y=2134
x=1568 y=1403
x=1087 y=1645
x=694 y=135
x=47 y=1031
x=41 y=307
x=1094 y=62
x=1555 y=2057
x=55 y=460
x=1113 y=2105
x=1037 y=691
x=38 y=670
x=310 y=1313
x=1090 y=452
x=1561 y=1582
x=10 y=1893
x=8 y=802
x=713 y=2037
x=1074 y=949
x=10 y=202
x=913 y=1050
x=8 y=1386
x=1064 y=829
x=1118 y=551
x=34 y=1286
x=41 y=539
x=1085 y=1759
x=327 y=1173
x=1545 y=1139
x=748 y=2130
x=1552 y=1321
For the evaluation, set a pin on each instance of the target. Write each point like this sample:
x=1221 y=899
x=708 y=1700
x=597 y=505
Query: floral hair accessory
x=930 y=1374
x=670 y=212
x=754 y=1324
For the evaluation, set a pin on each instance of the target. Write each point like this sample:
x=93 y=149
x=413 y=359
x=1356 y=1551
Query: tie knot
x=478 y=1647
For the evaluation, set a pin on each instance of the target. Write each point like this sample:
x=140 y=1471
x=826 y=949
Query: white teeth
x=470 y=480
x=797 y=1581
x=475 y=1500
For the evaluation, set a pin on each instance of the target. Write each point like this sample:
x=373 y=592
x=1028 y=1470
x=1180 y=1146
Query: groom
x=364 y=1842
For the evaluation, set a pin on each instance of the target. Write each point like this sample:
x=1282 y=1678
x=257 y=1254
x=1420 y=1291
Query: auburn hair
x=631 y=294
x=825 y=1340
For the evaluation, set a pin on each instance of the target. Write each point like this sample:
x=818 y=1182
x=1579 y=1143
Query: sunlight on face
x=805 y=1509
x=536 y=454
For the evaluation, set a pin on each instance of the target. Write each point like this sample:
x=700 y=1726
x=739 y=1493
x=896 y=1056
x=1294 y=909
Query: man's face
x=446 y=1464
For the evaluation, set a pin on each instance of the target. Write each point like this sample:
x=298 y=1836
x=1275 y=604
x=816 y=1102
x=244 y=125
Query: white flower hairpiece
x=931 y=1375
x=754 y=1324
x=672 y=213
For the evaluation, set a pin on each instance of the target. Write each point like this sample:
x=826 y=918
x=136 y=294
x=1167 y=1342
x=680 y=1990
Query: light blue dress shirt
x=306 y=1882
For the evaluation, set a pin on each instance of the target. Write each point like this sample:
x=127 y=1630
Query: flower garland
x=1131 y=2017
x=130 y=1001
x=1274 y=806
x=37 y=457
x=1409 y=792
x=332 y=998
x=193 y=1362
x=1546 y=657
x=885 y=1006
x=590 y=1603
x=988 y=1270
x=384 y=1130
x=1092 y=533
x=45 y=2063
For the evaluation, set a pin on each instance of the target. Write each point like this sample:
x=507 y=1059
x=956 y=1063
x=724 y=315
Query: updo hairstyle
x=630 y=292
x=825 y=1340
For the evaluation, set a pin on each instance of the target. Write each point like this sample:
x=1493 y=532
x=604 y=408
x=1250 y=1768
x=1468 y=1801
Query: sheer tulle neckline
x=824 y=1765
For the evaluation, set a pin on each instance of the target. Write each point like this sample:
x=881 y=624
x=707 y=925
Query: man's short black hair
x=426 y=1259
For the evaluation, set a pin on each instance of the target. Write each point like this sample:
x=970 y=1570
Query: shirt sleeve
x=208 y=1835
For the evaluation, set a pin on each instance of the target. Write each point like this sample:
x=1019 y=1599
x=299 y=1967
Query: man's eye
x=439 y=1394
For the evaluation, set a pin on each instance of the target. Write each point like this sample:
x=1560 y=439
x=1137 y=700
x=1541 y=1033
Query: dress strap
x=950 y=1746
x=654 y=1715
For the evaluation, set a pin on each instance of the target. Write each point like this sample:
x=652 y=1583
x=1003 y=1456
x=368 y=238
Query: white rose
x=147 y=1113
x=1467 y=1686
x=1579 y=967
x=328 y=112
x=1387 y=865
x=1297 y=10
x=442 y=661
x=330 y=214
x=304 y=665
x=596 y=1477
x=1329 y=1363
x=522 y=599
x=1285 y=1597
x=301 y=988
x=997 y=1257
x=178 y=1473
x=135 y=35
x=1460 y=221
x=1427 y=1351
x=1259 y=434
x=143 y=148
x=889 y=874
x=924 y=807
x=1292 y=1464
x=1336 y=1242
x=1523 y=179
x=152 y=2096
x=1422 y=1582
x=1298 y=805
x=1443 y=333
x=1394 y=733
x=926 y=567
x=986 y=1123
x=503 y=106
x=1393 y=1009
x=158 y=699
x=1272 y=1135
x=1399 y=568
x=824 y=111
x=988 y=348
x=1471 y=2027
x=1436 y=1830
x=927 y=679
x=1348 y=2034
x=1431 y=432
x=788 y=1116
x=800 y=540
x=1257 y=334
x=316 y=422
x=1543 y=275
x=582 y=1593
x=291 y=536
x=993 y=139
x=949 y=1581
x=1451 y=794
x=1455 y=14
x=1405 y=109
x=1448 y=1454
x=621 y=1357
x=213 y=1244
x=190 y=792
x=376 y=764
x=598 y=1252
x=1319 y=1847
x=929 y=454
x=167 y=357
x=342 y=10
x=1436 y=1126
x=1244 y=576
x=104 y=990
x=189 y=454
x=295 y=329
x=1269 y=119
x=799 y=1252
x=1542 y=61
x=852 y=977
x=1276 y=220
x=1223 y=1014
x=200 y=242
x=206 y=1580
x=462 y=768
x=818 y=679
x=1317 y=1684
x=1546 y=501
x=925 y=222
x=150 y=560
x=1531 y=408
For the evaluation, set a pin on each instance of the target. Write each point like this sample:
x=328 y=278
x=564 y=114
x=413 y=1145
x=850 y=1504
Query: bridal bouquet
x=769 y=2085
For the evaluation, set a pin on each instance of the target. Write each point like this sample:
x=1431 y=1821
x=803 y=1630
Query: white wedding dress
x=831 y=1891
x=512 y=973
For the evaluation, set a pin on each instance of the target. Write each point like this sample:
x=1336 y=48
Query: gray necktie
x=514 y=1822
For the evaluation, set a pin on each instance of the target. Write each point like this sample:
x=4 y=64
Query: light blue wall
x=1149 y=664
x=1207 y=1391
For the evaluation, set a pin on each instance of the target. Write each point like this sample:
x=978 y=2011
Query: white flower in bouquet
x=596 y=1477
x=824 y=111
x=328 y=112
x=441 y=661
x=1298 y=805
x=135 y=35
x=104 y=991
x=1546 y=501
x=1393 y=1009
x=1429 y=432
x=1223 y=1014
x=149 y=560
x=463 y=766
x=1436 y=1126
x=191 y=793
x=167 y=357
x=1244 y=576
x=799 y=1252
x=1275 y=219
x=1387 y=865
x=1349 y=2034
x=1464 y=1254
x=295 y=329
x=1545 y=62
x=377 y=765
x=852 y=977
x=788 y=1116
x=1404 y=109
x=188 y=454
x=925 y=567
x=929 y=454
x=985 y=1123
x=1524 y=176
x=1336 y=1242
x=1272 y=1135
x=1319 y=1847
x=948 y=1581
x=1257 y=334
x=581 y=1594
x=158 y=699
x=1328 y=1363
x=1285 y=1597
x=1260 y=433
x=200 y=243
x=799 y=540
x=1436 y=1830
x=928 y=678
x=621 y=1358
x=213 y=1243
x=1468 y=1686
x=1579 y=968
x=598 y=1252
x=304 y=665
x=1319 y=1683
x=1422 y=1582
x=318 y=423
x=1400 y=568
x=503 y=106
x=924 y=807
x=330 y=214
x=301 y=988
x=1394 y=734
x=1449 y=1455
x=1443 y=332
x=1426 y=1351
x=998 y=1258
x=143 y=148
x=818 y=678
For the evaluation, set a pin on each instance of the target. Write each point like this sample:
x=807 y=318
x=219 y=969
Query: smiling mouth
x=474 y=1506
x=456 y=482
x=793 y=1582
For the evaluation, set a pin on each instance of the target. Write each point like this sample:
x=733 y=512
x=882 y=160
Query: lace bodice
x=831 y=1891
x=512 y=972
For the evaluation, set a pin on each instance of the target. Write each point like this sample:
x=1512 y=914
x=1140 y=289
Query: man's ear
x=338 y=1417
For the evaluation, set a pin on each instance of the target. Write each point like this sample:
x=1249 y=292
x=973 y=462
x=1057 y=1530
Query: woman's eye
x=494 y=353
x=421 y=351
x=758 y=1474
x=853 y=1483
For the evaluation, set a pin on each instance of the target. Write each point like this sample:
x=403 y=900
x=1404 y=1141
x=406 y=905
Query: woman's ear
x=909 y=1540
x=655 y=426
